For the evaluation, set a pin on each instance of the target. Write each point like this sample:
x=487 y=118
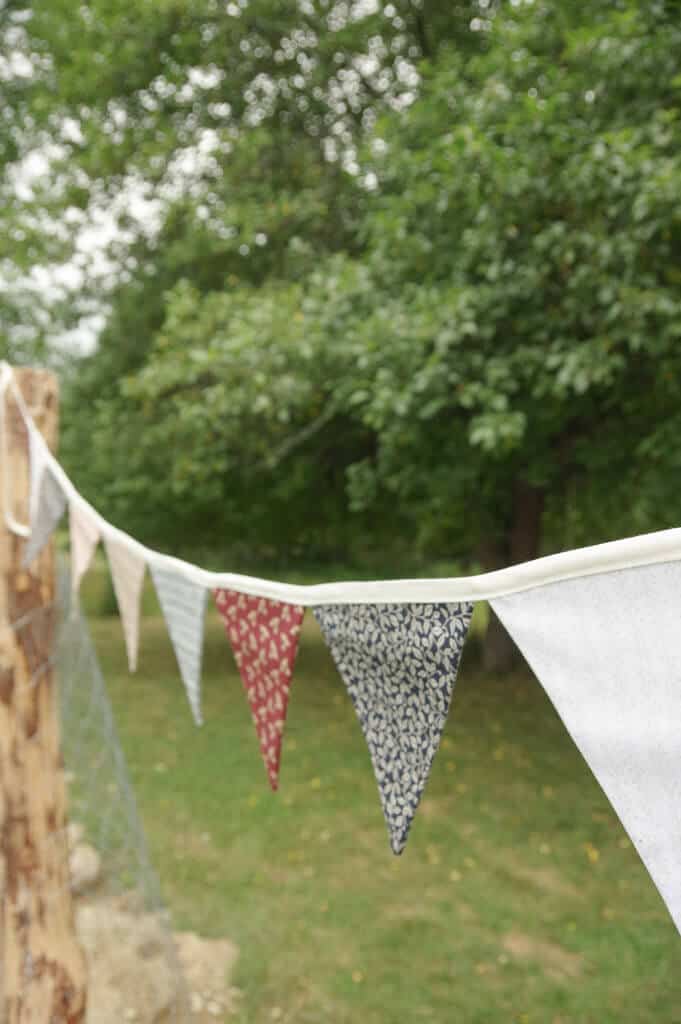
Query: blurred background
x=347 y=289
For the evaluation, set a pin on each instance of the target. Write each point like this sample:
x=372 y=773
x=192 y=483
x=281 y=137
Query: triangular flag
x=84 y=539
x=184 y=604
x=264 y=637
x=127 y=573
x=399 y=663
x=49 y=508
x=37 y=463
x=607 y=649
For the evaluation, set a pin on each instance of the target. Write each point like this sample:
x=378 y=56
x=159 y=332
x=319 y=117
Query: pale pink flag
x=84 y=539
x=127 y=572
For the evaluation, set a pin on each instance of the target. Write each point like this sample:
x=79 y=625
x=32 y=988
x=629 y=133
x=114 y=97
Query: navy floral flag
x=399 y=663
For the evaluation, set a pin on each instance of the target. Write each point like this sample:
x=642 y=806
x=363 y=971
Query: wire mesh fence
x=107 y=840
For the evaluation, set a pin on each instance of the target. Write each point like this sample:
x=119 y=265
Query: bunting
x=399 y=663
x=85 y=537
x=48 y=508
x=184 y=604
x=599 y=626
x=606 y=649
x=264 y=637
x=127 y=573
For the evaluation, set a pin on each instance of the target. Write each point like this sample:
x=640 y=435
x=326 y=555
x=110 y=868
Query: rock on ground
x=207 y=965
x=130 y=972
x=85 y=867
x=137 y=972
x=136 y=975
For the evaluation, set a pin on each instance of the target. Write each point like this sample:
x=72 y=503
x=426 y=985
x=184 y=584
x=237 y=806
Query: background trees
x=381 y=271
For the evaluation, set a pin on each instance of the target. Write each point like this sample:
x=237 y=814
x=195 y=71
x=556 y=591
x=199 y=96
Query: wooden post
x=42 y=968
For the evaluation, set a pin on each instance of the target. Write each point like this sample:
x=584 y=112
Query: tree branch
x=422 y=35
x=308 y=431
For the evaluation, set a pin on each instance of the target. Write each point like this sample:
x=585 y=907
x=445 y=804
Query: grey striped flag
x=183 y=603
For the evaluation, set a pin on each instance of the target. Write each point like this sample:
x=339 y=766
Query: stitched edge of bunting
x=629 y=553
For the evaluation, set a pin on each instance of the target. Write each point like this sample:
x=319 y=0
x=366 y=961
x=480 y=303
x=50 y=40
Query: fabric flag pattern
x=399 y=664
x=127 y=572
x=49 y=507
x=84 y=539
x=264 y=637
x=184 y=606
x=607 y=649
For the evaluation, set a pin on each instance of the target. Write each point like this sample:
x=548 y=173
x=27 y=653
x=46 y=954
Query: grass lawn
x=518 y=898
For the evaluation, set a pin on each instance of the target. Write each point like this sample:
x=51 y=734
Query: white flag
x=37 y=463
x=84 y=539
x=127 y=573
x=184 y=605
x=607 y=649
x=49 y=508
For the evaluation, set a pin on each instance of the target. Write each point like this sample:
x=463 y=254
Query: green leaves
x=402 y=263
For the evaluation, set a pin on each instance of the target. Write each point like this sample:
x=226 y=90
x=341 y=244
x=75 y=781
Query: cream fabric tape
x=647 y=549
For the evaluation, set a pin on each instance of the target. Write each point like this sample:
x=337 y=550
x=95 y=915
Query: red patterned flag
x=264 y=637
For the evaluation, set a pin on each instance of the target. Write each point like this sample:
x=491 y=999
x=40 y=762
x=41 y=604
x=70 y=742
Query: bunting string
x=645 y=549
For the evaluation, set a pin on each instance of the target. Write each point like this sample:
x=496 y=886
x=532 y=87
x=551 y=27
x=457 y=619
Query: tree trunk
x=500 y=655
x=42 y=968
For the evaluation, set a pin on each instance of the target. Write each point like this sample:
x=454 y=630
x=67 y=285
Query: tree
x=232 y=125
x=248 y=167
x=464 y=330
x=507 y=344
x=20 y=325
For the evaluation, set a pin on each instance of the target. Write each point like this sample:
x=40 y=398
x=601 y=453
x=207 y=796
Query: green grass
x=518 y=899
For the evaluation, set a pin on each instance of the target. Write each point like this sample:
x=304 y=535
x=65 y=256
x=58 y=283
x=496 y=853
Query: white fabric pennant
x=50 y=505
x=399 y=663
x=37 y=463
x=85 y=537
x=607 y=649
x=184 y=608
x=127 y=573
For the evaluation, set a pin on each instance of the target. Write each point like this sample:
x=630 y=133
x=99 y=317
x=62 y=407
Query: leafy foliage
x=409 y=261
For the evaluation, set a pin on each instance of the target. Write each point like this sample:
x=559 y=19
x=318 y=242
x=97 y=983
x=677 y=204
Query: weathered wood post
x=42 y=968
